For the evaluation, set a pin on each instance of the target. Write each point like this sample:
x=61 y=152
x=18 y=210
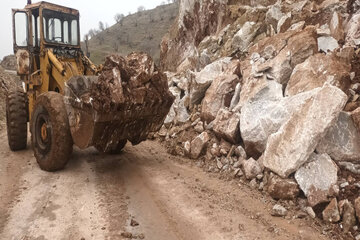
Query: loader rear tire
x=16 y=120
x=116 y=150
x=50 y=132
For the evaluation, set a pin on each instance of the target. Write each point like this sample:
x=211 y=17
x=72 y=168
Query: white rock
x=353 y=31
x=240 y=152
x=218 y=95
x=260 y=119
x=203 y=79
x=244 y=37
x=273 y=15
x=296 y=140
x=251 y=168
x=327 y=43
x=279 y=211
x=342 y=142
x=297 y=26
x=187 y=147
x=319 y=174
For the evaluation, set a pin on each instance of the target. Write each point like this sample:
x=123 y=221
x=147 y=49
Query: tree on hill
x=119 y=18
x=101 y=26
x=141 y=9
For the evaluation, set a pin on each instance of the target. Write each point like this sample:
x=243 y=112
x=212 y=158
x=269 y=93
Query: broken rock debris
x=270 y=95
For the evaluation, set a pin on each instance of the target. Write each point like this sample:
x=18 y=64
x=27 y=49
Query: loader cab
x=41 y=26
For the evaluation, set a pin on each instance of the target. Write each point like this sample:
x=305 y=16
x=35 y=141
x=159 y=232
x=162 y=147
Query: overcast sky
x=91 y=12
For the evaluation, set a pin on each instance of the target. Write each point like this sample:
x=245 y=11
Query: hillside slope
x=138 y=32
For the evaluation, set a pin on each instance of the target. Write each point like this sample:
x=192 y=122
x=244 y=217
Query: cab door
x=22 y=41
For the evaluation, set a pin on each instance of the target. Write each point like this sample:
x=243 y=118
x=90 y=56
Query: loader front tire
x=50 y=132
x=16 y=120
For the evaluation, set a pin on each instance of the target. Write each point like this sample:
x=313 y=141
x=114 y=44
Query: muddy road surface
x=163 y=197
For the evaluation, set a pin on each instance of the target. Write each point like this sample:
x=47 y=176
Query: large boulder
x=218 y=96
x=274 y=58
x=317 y=178
x=273 y=15
x=342 y=142
x=264 y=115
x=353 y=31
x=203 y=79
x=244 y=37
x=316 y=71
x=291 y=146
x=226 y=126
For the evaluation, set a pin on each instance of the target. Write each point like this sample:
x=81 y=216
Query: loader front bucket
x=118 y=105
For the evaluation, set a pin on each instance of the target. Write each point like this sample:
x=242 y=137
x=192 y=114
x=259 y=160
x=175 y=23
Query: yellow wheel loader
x=62 y=90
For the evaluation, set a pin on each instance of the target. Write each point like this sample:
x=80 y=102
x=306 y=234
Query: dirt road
x=97 y=196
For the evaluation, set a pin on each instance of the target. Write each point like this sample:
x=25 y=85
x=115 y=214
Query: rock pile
x=269 y=92
x=9 y=63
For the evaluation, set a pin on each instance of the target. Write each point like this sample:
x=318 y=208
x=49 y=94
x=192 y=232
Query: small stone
x=279 y=211
x=349 y=219
x=134 y=223
x=198 y=145
x=251 y=168
x=331 y=213
x=240 y=173
x=238 y=163
x=344 y=185
x=199 y=128
x=236 y=172
x=261 y=186
x=240 y=152
x=253 y=184
x=260 y=176
x=219 y=164
x=215 y=150
x=310 y=212
x=127 y=235
x=279 y=188
x=187 y=148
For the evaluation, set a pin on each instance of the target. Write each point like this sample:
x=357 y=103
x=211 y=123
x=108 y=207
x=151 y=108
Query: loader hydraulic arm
x=57 y=64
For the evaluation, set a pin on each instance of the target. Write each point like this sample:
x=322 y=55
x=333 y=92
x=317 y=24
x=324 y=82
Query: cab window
x=60 y=28
x=21 y=29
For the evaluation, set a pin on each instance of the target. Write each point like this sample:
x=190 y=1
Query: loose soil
x=97 y=196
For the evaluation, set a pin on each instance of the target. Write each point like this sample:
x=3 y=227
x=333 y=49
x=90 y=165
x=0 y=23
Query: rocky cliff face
x=269 y=92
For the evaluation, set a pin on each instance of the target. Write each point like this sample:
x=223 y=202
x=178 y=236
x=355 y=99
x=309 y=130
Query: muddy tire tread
x=17 y=118
x=62 y=143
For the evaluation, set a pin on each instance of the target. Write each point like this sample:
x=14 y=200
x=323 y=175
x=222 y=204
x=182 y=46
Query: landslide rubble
x=268 y=93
